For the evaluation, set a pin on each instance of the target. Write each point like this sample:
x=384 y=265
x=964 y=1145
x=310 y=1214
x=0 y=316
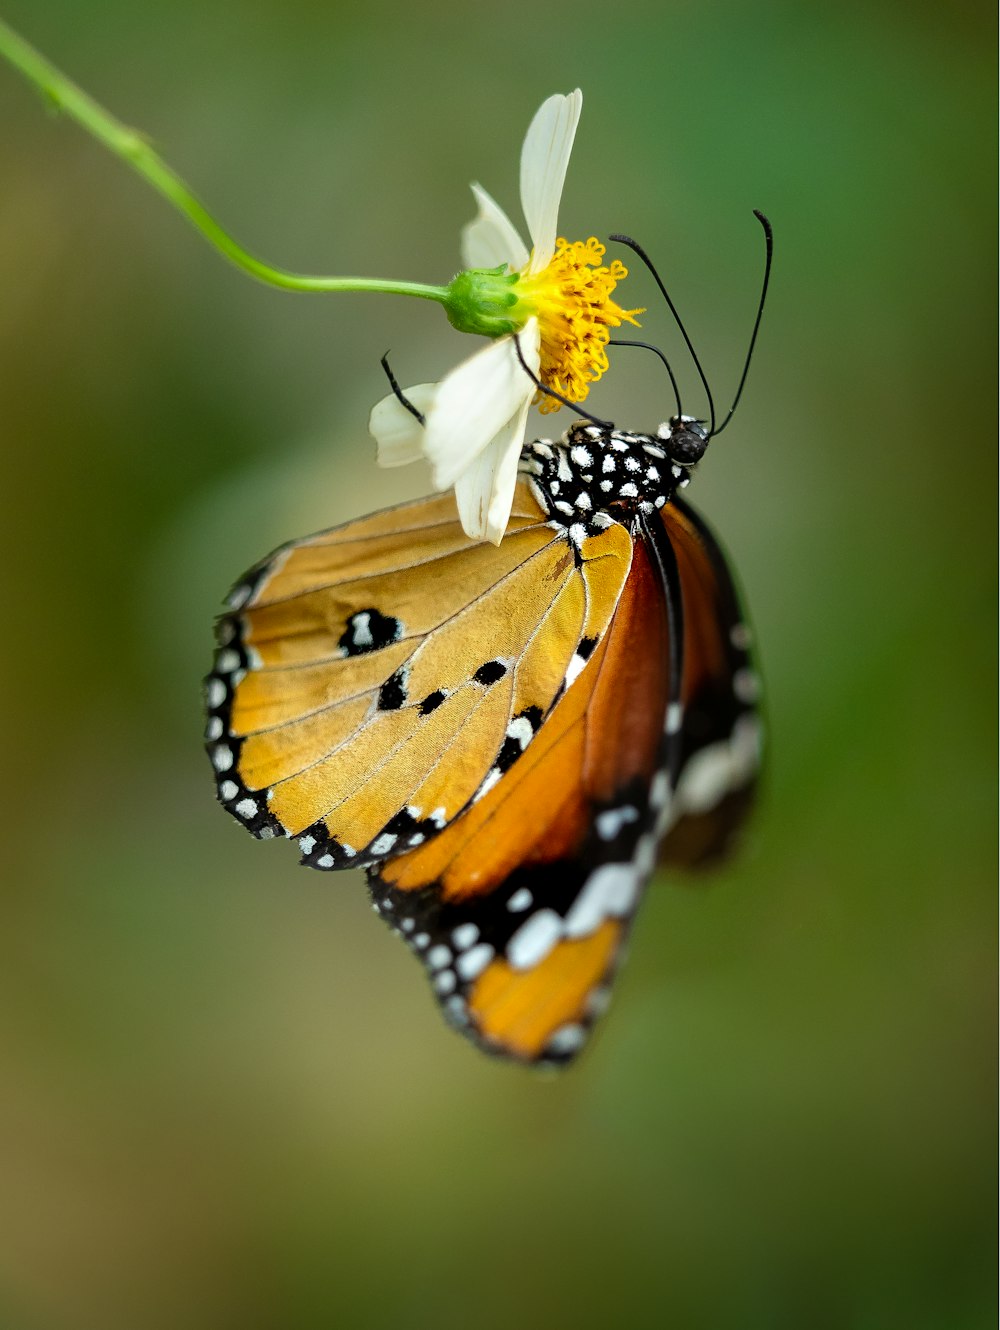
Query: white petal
x=544 y=158
x=491 y=239
x=398 y=435
x=485 y=491
x=475 y=401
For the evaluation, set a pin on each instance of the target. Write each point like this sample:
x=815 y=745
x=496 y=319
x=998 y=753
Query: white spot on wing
x=705 y=779
x=746 y=686
x=610 y=891
x=465 y=935
x=534 y=939
x=659 y=790
x=574 y=669
x=222 y=758
x=492 y=776
x=473 y=962
x=520 y=731
x=361 y=633
x=721 y=767
x=567 y=1039
x=746 y=746
x=611 y=821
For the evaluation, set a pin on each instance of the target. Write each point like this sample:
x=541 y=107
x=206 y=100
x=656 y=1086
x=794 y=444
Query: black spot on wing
x=431 y=702
x=392 y=694
x=490 y=672
x=369 y=630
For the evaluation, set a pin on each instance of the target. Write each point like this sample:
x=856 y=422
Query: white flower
x=476 y=416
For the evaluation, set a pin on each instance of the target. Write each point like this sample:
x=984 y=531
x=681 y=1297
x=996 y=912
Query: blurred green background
x=226 y=1097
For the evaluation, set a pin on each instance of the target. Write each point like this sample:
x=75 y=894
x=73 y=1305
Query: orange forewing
x=339 y=740
x=602 y=735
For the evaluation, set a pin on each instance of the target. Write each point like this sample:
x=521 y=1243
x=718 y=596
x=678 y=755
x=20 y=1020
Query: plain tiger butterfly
x=508 y=739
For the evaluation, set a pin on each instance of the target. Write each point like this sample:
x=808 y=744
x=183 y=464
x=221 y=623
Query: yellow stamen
x=572 y=301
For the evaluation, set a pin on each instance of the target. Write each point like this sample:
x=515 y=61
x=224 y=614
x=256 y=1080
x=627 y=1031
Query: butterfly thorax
x=595 y=473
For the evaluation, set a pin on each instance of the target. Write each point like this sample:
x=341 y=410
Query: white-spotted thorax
x=597 y=474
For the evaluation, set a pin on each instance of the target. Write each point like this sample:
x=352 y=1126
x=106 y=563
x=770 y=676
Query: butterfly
x=507 y=739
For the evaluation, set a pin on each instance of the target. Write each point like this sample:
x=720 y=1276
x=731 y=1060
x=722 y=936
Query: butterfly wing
x=504 y=736
x=370 y=680
x=519 y=910
x=720 y=730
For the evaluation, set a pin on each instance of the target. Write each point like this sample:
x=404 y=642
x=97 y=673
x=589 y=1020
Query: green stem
x=132 y=147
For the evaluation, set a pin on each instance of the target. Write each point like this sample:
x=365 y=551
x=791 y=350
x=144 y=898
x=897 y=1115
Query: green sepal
x=484 y=301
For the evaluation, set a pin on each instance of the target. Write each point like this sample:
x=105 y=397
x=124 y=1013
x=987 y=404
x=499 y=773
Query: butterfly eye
x=688 y=441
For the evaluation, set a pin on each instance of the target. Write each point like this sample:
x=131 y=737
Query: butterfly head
x=685 y=439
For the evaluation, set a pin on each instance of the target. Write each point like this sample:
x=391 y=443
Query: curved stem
x=134 y=149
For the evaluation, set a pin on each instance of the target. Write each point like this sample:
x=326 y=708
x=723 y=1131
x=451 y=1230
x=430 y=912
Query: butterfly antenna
x=398 y=392
x=648 y=346
x=551 y=392
x=638 y=249
x=769 y=243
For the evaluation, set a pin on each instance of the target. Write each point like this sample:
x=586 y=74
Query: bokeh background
x=226 y=1097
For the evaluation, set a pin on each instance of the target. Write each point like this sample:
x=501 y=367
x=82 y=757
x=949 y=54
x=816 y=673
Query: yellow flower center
x=571 y=298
